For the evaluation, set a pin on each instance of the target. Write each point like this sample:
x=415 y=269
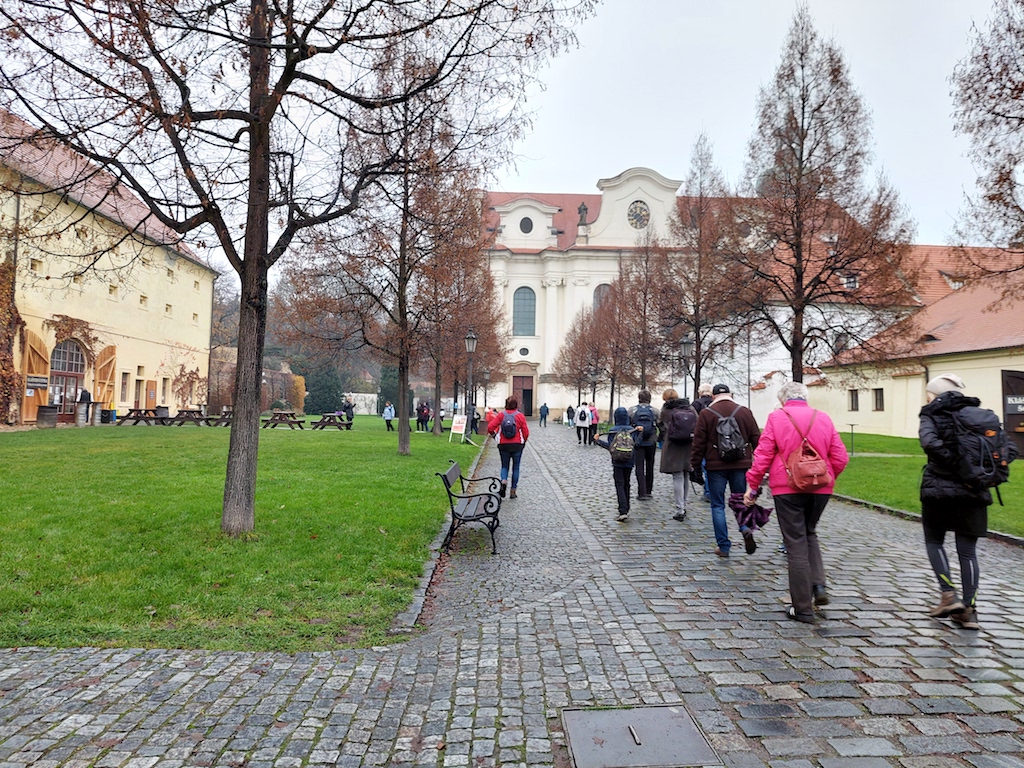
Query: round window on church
x=524 y=352
x=526 y=225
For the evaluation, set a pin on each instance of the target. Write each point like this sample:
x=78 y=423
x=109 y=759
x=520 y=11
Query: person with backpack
x=595 y=419
x=955 y=483
x=726 y=435
x=582 y=422
x=645 y=415
x=570 y=414
x=620 y=442
x=511 y=430
x=676 y=426
x=801 y=452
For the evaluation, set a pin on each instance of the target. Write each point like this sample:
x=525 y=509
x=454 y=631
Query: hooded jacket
x=940 y=479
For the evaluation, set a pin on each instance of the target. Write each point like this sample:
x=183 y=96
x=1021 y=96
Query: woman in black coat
x=947 y=504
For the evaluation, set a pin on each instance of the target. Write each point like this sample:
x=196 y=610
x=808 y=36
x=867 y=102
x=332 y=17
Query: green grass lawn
x=895 y=480
x=111 y=537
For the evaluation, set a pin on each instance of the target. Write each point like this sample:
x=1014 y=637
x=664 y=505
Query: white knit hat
x=947 y=382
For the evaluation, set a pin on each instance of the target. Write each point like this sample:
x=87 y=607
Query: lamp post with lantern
x=471 y=339
x=686 y=355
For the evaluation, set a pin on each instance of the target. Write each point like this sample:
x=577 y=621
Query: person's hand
x=749 y=497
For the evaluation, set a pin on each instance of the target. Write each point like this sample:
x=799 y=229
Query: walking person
x=799 y=500
x=702 y=401
x=389 y=415
x=947 y=502
x=725 y=436
x=595 y=419
x=582 y=420
x=570 y=415
x=645 y=415
x=676 y=425
x=620 y=442
x=544 y=411
x=512 y=431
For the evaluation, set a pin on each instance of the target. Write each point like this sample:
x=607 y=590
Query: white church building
x=555 y=254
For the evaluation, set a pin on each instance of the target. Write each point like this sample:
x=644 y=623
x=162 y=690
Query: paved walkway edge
x=1008 y=538
x=405 y=622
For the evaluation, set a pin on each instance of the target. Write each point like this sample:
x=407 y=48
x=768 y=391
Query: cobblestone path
x=576 y=610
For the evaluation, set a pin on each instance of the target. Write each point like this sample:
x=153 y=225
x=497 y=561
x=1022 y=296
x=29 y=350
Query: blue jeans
x=510 y=453
x=718 y=479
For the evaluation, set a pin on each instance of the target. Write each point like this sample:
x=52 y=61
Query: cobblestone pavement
x=576 y=610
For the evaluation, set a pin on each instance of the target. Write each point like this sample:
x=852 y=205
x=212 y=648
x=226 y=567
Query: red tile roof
x=567 y=219
x=24 y=149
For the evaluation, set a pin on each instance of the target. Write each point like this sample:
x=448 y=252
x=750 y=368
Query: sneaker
x=504 y=488
x=623 y=517
x=820 y=595
x=949 y=604
x=680 y=516
x=966 y=619
x=748 y=542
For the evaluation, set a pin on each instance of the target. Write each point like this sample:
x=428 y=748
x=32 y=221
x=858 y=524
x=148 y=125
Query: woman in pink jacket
x=798 y=511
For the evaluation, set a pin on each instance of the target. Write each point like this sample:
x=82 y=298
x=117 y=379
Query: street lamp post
x=471 y=339
x=686 y=352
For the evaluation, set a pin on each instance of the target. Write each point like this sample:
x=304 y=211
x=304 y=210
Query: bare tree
x=252 y=122
x=826 y=257
x=700 y=299
x=988 y=91
x=640 y=286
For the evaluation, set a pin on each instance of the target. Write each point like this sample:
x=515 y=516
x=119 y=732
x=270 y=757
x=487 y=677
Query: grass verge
x=112 y=537
x=895 y=480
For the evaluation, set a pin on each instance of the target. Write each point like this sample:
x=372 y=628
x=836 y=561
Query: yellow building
x=972 y=332
x=110 y=301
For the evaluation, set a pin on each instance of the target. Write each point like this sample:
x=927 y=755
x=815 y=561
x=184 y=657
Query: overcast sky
x=651 y=75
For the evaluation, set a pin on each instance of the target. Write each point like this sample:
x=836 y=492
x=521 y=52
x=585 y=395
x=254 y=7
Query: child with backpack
x=620 y=442
x=968 y=453
x=511 y=430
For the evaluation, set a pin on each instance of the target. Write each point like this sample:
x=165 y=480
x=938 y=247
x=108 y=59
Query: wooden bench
x=470 y=507
x=332 y=420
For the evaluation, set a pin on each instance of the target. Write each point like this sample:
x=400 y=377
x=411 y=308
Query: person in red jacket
x=510 y=446
x=798 y=511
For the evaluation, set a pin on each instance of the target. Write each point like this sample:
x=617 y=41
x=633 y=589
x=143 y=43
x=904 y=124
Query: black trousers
x=390 y=427
x=645 y=468
x=621 y=475
x=798 y=515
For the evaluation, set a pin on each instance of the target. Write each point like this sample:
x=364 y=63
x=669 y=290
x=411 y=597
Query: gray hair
x=794 y=390
x=705 y=389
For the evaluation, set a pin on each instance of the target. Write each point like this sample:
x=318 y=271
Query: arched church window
x=524 y=312
x=600 y=294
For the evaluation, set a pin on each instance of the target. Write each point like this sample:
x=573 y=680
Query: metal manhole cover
x=637 y=737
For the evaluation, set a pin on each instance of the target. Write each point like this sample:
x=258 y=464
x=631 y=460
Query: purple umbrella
x=753 y=517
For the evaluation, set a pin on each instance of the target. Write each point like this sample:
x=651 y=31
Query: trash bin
x=162 y=412
x=46 y=417
x=108 y=417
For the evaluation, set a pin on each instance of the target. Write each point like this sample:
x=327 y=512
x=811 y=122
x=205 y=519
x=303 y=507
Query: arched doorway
x=67 y=377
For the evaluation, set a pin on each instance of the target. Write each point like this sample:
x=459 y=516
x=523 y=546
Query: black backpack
x=731 y=444
x=984 y=450
x=508 y=425
x=643 y=416
x=681 y=425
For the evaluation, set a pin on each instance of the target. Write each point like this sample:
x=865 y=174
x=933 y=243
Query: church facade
x=556 y=254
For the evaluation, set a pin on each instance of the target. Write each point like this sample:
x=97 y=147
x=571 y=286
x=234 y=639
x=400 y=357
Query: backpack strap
x=803 y=435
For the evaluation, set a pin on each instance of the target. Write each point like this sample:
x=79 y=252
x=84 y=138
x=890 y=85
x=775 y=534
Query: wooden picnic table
x=332 y=420
x=282 y=417
x=188 y=416
x=227 y=414
x=146 y=415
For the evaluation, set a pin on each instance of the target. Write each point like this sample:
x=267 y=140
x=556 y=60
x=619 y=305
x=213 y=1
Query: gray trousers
x=798 y=515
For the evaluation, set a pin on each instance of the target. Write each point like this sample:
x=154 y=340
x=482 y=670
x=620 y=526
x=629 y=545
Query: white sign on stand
x=459 y=428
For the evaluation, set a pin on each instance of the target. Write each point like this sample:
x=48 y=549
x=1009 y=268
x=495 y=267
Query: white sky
x=650 y=75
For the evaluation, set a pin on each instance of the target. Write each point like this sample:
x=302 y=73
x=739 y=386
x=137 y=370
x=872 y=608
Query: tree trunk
x=796 y=352
x=403 y=404
x=239 y=513
x=438 y=429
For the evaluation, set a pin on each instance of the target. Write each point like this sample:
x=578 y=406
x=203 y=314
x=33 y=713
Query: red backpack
x=806 y=469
